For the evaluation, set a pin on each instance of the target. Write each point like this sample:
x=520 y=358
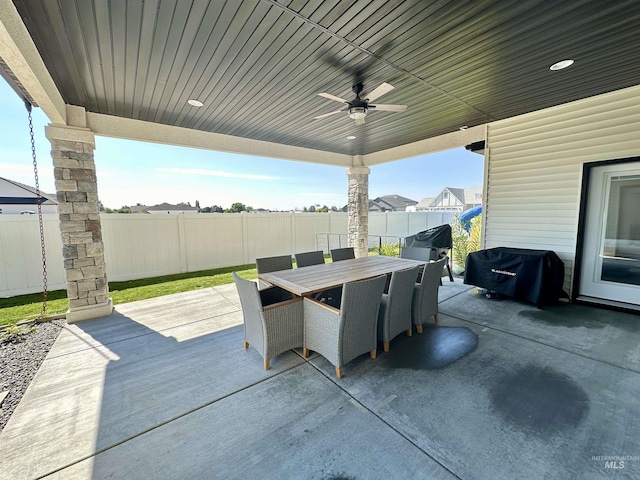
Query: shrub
x=388 y=249
x=464 y=243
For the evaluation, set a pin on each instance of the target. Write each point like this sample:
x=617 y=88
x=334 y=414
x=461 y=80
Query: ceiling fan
x=358 y=107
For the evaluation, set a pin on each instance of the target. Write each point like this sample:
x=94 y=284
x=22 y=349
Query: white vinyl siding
x=534 y=169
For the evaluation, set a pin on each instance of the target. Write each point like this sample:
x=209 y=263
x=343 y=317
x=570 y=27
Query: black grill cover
x=533 y=275
x=436 y=237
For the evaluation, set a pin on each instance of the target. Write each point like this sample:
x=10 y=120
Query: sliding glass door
x=611 y=253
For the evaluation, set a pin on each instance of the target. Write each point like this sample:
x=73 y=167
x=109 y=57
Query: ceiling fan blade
x=389 y=108
x=327 y=114
x=378 y=92
x=332 y=97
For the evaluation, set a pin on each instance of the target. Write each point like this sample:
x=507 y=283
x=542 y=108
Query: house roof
x=466 y=196
x=138 y=208
x=394 y=201
x=167 y=206
x=390 y=202
x=457 y=192
x=376 y=207
x=16 y=193
x=425 y=203
x=258 y=67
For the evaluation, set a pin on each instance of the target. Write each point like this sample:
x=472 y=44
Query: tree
x=213 y=209
x=124 y=209
x=238 y=207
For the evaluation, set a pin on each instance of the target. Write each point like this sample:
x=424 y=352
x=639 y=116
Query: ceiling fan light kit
x=358 y=114
x=358 y=107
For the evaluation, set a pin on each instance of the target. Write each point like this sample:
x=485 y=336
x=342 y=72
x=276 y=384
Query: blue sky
x=136 y=172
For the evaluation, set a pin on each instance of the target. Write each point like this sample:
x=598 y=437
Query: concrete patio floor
x=162 y=389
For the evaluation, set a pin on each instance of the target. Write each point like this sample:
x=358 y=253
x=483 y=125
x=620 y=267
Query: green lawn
x=28 y=307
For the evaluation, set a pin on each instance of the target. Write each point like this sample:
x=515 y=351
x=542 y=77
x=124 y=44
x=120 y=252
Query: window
x=478 y=196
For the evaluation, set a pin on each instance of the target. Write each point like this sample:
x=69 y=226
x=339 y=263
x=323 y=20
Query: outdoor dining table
x=306 y=281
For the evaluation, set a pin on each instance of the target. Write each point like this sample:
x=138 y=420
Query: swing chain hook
x=39 y=201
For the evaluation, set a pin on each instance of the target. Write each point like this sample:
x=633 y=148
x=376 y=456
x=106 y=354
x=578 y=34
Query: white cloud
x=213 y=173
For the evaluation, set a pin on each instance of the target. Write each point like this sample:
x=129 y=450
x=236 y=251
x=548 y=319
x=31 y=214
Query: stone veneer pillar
x=358 y=210
x=79 y=214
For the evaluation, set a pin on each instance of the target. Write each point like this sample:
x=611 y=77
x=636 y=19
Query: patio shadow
x=436 y=347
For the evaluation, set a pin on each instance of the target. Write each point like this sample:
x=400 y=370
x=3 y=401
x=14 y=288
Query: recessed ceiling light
x=195 y=103
x=562 y=64
x=351 y=137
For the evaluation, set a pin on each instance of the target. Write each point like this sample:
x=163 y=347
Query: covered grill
x=437 y=239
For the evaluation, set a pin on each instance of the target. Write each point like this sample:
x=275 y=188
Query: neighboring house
x=391 y=203
x=164 y=208
x=139 y=209
x=424 y=204
x=17 y=198
x=454 y=200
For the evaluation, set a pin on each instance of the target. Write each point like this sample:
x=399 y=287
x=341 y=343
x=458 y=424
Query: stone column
x=358 y=210
x=82 y=247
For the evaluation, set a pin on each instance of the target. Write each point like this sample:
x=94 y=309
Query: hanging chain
x=39 y=200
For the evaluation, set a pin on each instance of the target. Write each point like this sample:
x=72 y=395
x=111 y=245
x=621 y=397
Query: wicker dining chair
x=394 y=316
x=428 y=255
x=346 y=253
x=340 y=335
x=270 y=329
x=416 y=253
x=273 y=264
x=425 y=294
x=306 y=259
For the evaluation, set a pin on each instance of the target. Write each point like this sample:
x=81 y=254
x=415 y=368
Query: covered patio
x=163 y=389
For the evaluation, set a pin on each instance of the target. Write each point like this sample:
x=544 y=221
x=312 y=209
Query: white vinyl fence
x=141 y=246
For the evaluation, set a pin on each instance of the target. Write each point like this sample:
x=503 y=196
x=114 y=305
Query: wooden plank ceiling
x=258 y=65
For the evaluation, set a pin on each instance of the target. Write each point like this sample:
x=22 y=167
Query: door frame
x=582 y=220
